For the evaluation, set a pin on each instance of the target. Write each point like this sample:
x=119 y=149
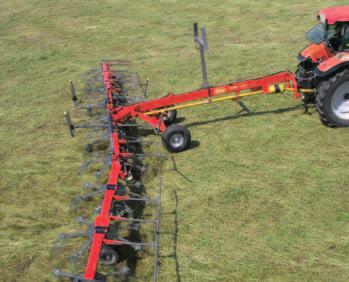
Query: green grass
x=263 y=198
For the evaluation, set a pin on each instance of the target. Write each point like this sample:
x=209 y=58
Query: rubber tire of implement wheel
x=170 y=117
x=108 y=256
x=99 y=277
x=176 y=138
x=327 y=93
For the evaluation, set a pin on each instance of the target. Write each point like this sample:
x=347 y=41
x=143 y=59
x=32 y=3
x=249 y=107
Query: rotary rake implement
x=118 y=112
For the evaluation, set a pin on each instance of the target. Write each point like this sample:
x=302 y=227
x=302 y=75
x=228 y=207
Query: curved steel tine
x=70 y=124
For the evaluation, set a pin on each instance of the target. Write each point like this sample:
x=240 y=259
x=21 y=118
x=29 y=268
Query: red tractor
x=324 y=66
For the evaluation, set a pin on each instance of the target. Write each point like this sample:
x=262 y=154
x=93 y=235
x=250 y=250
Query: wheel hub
x=108 y=258
x=176 y=140
x=340 y=101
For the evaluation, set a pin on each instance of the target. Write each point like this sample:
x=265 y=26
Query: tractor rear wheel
x=332 y=100
x=176 y=138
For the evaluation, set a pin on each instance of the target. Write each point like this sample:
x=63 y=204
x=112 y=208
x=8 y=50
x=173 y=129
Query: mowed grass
x=264 y=197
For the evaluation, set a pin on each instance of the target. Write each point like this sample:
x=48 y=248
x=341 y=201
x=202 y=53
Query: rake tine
x=70 y=124
x=61 y=274
x=78 y=199
x=116 y=62
x=73 y=93
x=88 y=185
x=117 y=74
x=143 y=86
x=124 y=74
x=93 y=71
x=78 y=254
x=146 y=200
x=129 y=80
x=143 y=141
x=92 y=107
x=136 y=195
x=82 y=220
x=157 y=232
x=143 y=156
x=135 y=245
x=141 y=220
x=136 y=98
x=66 y=236
x=123 y=272
x=132 y=226
x=84 y=166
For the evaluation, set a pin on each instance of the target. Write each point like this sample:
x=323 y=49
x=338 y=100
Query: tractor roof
x=335 y=14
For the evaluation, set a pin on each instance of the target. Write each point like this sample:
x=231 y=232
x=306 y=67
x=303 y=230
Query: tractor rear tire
x=332 y=100
x=176 y=138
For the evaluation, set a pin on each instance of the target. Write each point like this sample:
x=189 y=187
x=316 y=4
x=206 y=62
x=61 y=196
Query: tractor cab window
x=345 y=39
x=334 y=37
x=317 y=34
x=331 y=31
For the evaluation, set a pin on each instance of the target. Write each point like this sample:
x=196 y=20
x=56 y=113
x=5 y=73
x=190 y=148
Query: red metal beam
x=262 y=83
x=102 y=221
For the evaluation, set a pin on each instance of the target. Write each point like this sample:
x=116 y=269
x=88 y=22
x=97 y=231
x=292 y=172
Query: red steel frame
x=104 y=218
x=138 y=110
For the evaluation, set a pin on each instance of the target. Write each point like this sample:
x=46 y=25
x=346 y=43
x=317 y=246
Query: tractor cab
x=324 y=66
x=335 y=37
x=330 y=36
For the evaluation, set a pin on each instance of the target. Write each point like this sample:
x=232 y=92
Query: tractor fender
x=332 y=65
x=316 y=52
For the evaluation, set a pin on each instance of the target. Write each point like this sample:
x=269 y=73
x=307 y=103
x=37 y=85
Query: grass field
x=264 y=197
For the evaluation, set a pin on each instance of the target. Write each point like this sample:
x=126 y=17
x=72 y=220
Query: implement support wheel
x=109 y=256
x=176 y=138
x=170 y=117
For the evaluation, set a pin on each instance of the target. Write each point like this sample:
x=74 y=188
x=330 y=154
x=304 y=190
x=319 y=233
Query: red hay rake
x=104 y=236
x=122 y=112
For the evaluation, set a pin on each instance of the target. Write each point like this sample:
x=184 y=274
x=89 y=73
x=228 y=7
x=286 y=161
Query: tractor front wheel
x=332 y=100
x=176 y=138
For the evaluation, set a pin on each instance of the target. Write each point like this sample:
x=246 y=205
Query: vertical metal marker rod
x=203 y=67
x=202 y=42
